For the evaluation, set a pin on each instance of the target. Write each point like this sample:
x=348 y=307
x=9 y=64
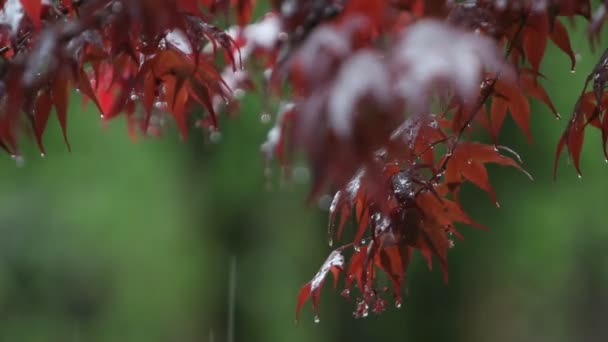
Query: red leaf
x=468 y=159
x=41 y=116
x=559 y=36
x=84 y=84
x=334 y=264
x=389 y=259
x=148 y=101
x=60 y=97
x=498 y=112
x=176 y=96
x=518 y=106
x=33 y=9
x=530 y=85
x=535 y=43
x=244 y=11
x=303 y=296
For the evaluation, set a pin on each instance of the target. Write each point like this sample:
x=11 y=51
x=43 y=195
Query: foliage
x=384 y=98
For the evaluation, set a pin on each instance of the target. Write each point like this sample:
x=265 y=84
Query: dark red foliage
x=380 y=96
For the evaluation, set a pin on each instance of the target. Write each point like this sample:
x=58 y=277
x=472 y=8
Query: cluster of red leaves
x=162 y=54
x=381 y=96
x=398 y=177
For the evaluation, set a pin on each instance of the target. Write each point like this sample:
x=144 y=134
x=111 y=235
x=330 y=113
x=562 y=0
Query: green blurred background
x=134 y=241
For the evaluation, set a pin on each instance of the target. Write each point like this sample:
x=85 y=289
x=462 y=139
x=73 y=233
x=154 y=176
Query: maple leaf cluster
x=380 y=96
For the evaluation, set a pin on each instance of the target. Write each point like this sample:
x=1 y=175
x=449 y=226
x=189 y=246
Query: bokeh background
x=138 y=241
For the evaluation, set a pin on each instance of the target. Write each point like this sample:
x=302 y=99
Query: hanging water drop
x=161 y=105
x=265 y=118
x=573 y=71
x=398 y=303
x=215 y=137
x=42 y=155
x=239 y=93
x=580 y=176
x=497 y=204
x=19 y=161
x=317 y=319
x=345 y=293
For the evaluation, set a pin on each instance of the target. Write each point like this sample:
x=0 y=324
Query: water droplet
x=451 y=243
x=301 y=174
x=101 y=116
x=239 y=93
x=402 y=184
x=324 y=202
x=265 y=118
x=497 y=204
x=161 y=105
x=573 y=71
x=606 y=161
x=215 y=137
x=117 y=7
x=398 y=303
x=42 y=155
x=19 y=160
x=317 y=319
x=580 y=176
x=134 y=97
